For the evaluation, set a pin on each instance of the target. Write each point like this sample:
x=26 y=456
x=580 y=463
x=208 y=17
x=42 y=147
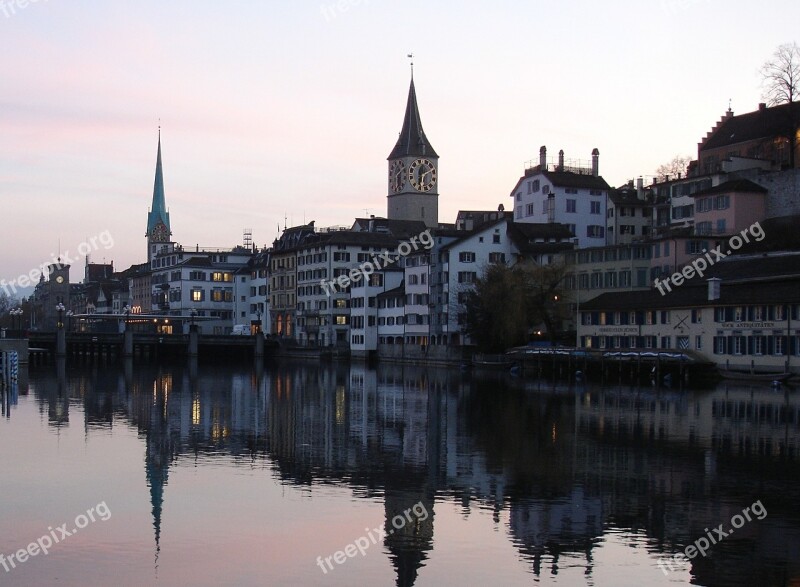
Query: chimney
x=640 y=188
x=714 y=288
x=762 y=106
x=371 y=223
x=543 y=157
x=561 y=160
x=595 y=162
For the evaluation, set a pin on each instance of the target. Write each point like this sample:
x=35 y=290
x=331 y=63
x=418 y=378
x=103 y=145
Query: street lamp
x=70 y=314
x=192 y=314
x=127 y=311
x=60 y=309
x=16 y=318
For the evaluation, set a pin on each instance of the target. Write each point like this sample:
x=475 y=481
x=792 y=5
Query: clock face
x=422 y=175
x=160 y=233
x=397 y=176
x=59 y=279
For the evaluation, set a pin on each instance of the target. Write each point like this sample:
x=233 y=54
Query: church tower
x=413 y=171
x=158 y=228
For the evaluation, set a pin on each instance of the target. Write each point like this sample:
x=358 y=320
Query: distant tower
x=158 y=227
x=413 y=171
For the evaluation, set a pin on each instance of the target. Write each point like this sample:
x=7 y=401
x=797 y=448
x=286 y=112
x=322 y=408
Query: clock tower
x=413 y=171
x=158 y=228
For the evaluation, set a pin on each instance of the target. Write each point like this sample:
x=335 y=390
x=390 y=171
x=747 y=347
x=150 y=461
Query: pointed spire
x=158 y=209
x=412 y=139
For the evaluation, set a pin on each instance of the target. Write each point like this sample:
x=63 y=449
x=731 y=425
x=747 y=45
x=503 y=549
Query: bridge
x=151 y=345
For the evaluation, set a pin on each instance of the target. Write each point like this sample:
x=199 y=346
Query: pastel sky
x=277 y=108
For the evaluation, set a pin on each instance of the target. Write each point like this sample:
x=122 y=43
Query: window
x=698 y=342
x=495 y=239
x=571 y=206
x=339 y=256
x=696 y=247
x=703 y=228
x=594 y=231
x=595 y=207
x=466 y=257
x=529 y=210
x=703 y=204
x=467 y=277
x=720 y=345
x=722 y=202
x=570 y=191
x=197 y=295
x=497 y=257
x=720 y=226
x=595 y=192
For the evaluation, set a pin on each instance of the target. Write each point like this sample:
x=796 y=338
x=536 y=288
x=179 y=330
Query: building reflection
x=560 y=465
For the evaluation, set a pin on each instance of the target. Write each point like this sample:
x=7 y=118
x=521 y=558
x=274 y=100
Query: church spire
x=158 y=209
x=412 y=139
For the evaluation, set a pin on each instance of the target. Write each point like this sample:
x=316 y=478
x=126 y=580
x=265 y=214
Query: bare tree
x=674 y=168
x=780 y=76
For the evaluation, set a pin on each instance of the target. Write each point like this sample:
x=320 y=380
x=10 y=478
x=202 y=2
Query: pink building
x=729 y=208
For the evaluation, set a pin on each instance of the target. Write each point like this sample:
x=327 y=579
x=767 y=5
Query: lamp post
x=70 y=314
x=60 y=309
x=192 y=314
x=258 y=321
x=127 y=311
x=16 y=318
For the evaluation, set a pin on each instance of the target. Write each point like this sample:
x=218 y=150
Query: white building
x=568 y=193
x=459 y=263
x=323 y=306
x=364 y=309
x=200 y=280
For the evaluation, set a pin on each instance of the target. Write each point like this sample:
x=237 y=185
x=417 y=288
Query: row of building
x=615 y=243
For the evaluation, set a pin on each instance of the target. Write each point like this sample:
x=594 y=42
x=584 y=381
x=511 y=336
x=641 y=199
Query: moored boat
x=748 y=376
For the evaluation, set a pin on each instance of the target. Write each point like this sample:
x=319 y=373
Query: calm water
x=229 y=476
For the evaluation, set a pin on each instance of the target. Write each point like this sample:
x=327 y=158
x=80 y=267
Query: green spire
x=158 y=209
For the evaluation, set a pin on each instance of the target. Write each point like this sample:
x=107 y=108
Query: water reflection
x=569 y=467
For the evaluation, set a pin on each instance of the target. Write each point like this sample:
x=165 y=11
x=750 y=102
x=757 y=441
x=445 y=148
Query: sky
x=278 y=112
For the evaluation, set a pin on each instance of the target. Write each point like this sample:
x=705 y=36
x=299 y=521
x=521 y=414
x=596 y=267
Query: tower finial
x=411 y=57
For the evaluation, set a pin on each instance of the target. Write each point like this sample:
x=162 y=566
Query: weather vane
x=411 y=57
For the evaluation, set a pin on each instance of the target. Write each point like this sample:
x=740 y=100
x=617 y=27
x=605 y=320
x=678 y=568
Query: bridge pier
x=61 y=343
x=127 y=344
x=193 y=341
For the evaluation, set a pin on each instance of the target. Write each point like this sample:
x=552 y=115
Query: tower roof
x=158 y=209
x=412 y=139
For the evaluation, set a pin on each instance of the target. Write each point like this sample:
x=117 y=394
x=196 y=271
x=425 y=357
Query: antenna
x=411 y=57
x=247 y=238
